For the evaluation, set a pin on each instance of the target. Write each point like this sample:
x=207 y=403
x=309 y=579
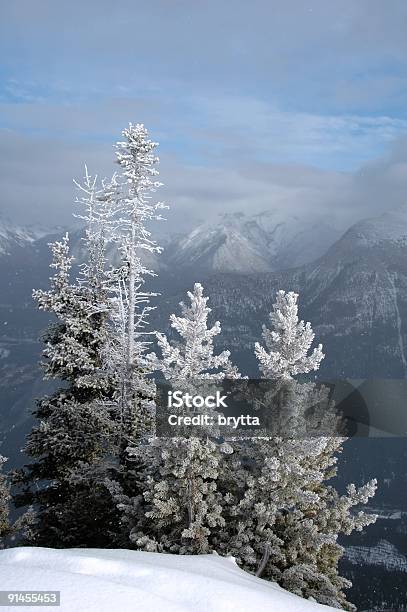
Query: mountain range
x=353 y=288
x=12 y=236
x=264 y=242
x=355 y=295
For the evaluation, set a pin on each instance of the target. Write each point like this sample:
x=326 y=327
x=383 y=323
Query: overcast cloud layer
x=290 y=104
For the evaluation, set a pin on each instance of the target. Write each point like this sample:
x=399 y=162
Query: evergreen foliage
x=75 y=430
x=180 y=503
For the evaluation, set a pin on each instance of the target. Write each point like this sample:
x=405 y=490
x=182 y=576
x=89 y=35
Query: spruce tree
x=75 y=430
x=287 y=342
x=180 y=503
x=131 y=211
x=287 y=522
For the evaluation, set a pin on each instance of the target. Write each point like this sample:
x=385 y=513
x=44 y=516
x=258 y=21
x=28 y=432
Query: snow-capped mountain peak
x=266 y=241
x=16 y=235
x=389 y=226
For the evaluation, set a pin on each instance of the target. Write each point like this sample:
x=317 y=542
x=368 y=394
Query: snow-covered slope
x=391 y=227
x=106 y=580
x=14 y=235
x=236 y=243
x=258 y=243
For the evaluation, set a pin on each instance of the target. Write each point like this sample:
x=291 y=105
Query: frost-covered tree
x=288 y=342
x=192 y=357
x=283 y=519
x=5 y=498
x=131 y=211
x=180 y=504
x=74 y=429
x=94 y=201
x=287 y=522
x=96 y=348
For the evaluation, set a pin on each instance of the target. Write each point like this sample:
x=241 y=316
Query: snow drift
x=105 y=580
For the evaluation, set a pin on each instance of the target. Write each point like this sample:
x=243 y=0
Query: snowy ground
x=124 y=580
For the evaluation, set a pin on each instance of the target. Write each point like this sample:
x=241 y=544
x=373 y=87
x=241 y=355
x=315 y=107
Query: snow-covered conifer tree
x=288 y=342
x=97 y=348
x=75 y=429
x=289 y=518
x=131 y=212
x=193 y=356
x=181 y=500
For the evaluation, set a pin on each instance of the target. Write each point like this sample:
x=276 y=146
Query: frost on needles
x=287 y=342
x=181 y=502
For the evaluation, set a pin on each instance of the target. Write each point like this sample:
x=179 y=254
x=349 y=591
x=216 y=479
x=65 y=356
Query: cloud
x=282 y=104
x=305 y=54
x=249 y=127
x=36 y=177
x=36 y=184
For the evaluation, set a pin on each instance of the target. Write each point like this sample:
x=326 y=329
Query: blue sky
x=263 y=104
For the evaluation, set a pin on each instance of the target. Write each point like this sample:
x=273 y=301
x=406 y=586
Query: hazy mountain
x=263 y=242
x=237 y=243
x=17 y=236
x=355 y=294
